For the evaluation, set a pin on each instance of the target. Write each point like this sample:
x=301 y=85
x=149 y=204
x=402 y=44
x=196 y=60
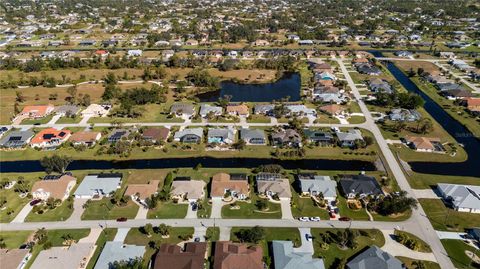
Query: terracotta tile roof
x=56 y=188
x=143 y=190
x=159 y=134
x=332 y=109
x=48 y=134
x=172 y=256
x=222 y=182
x=230 y=255
x=11 y=258
x=239 y=109
x=473 y=102
x=86 y=137
x=421 y=142
x=325 y=82
x=37 y=110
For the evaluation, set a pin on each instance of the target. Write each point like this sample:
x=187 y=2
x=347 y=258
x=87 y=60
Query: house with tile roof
x=192 y=256
x=238 y=110
x=86 y=138
x=36 y=111
x=188 y=189
x=230 y=255
x=56 y=188
x=223 y=183
x=142 y=191
x=50 y=138
x=425 y=144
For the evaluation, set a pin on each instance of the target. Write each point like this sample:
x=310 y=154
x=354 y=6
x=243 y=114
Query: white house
x=96 y=110
x=134 y=53
x=463 y=198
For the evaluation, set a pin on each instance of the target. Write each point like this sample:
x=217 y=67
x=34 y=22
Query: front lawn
x=256 y=118
x=447 y=219
x=456 y=252
x=168 y=210
x=248 y=210
x=333 y=251
x=103 y=209
x=60 y=213
x=305 y=207
x=14 y=239
x=420 y=244
x=354 y=214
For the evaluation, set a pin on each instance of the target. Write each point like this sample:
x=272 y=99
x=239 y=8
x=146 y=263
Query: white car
x=315 y=219
x=304 y=219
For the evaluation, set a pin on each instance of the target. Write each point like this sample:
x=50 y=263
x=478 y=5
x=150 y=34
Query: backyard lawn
x=103 y=209
x=373 y=237
x=447 y=219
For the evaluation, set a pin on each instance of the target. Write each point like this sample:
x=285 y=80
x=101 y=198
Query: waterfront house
x=53 y=187
x=50 y=138
x=184 y=188
x=98 y=185
x=286 y=257
x=463 y=198
x=273 y=185
x=86 y=138
x=253 y=136
x=182 y=110
x=313 y=185
x=230 y=255
x=156 y=135
x=359 y=185
x=16 y=139
x=223 y=183
x=190 y=135
x=207 y=110
x=142 y=191
x=349 y=138
x=287 y=137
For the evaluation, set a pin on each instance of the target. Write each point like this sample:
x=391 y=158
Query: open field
x=447 y=219
x=426 y=181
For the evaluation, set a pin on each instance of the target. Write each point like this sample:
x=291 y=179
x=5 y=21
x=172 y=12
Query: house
x=368 y=69
x=207 y=110
x=142 y=191
x=35 y=112
x=305 y=42
x=273 y=185
x=50 y=138
x=463 y=198
x=328 y=94
x=156 y=135
x=318 y=137
x=66 y=110
x=75 y=256
x=167 y=54
x=313 y=185
x=264 y=109
x=374 y=257
x=403 y=53
x=472 y=104
x=119 y=134
x=253 y=136
x=448 y=86
x=102 y=53
x=300 y=110
x=56 y=188
x=182 y=110
x=87 y=43
x=238 y=110
x=223 y=183
x=192 y=256
x=98 y=185
x=191 y=135
x=16 y=139
x=361 y=185
x=14 y=258
x=324 y=76
x=261 y=43
x=86 y=138
x=332 y=109
x=134 y=53
x=456 y=94
x=293 y=37
x=408 y=115
x=96 y=110
x=379 y=85
x=117 y=251
x=287 y=137
x=286 y=257
x=185 y=188
x=425 y=144
x=221 y=135
x=230 y=255
x=349 y=138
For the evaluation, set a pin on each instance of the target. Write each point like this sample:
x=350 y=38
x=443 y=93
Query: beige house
x=142 y=191
x=188 y=189
x=279 y=187
x=56 y=188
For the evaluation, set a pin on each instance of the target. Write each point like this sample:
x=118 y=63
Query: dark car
x=122 y=219
x=344 y=219
x=34 y=202
x=194 y=207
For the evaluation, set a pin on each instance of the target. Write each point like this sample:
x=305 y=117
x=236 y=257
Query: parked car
x=315 y=219
x=34 y=202
x=194 y=207
x=344 y=219
x=122 y=219
x=197 y=239
x=309 y=237
x=304 y=219
x=332 y=214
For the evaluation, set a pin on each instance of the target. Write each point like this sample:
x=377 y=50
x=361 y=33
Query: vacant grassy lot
x=372 y=237
x=14 y=239
x=168 y=210
x=447 y=219
x=426 y=181
x=103 y=209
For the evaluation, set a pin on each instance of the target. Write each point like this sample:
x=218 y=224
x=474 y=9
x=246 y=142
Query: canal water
x=471 y=142
x=287 y=86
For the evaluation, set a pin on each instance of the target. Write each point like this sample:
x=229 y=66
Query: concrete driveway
x=77 y=209
x=307 y=246
x=199 y=232
x=190 y=213
x=217 y=204
x=286 y=208
x=23 y=213
x=224 y=233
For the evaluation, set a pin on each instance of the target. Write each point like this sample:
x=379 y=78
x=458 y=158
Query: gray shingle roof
x=117 y=251
x=375 y=258
x=464 y=196
x=285 y=258
x=360 y=184
x=318 y=184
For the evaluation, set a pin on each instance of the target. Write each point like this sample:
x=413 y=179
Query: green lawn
x=399 y=217
x=213 y=234
x=206 y=209
x=66 y=120
x=103 y=209
x=107 y=234
x=43 y=120
x=428 y=264
x=356 y=119
x=456 y=251
x=14 y=239
x=168 y=210
x=305 y=207
x=136 y=237
x=255 y=118
x=60 y=213
x=374 y=237
x=248 y=210
x=359 y=214
x=426 y=181
x=447 y=219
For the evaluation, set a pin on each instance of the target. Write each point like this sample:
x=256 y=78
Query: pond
x=287 y=86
